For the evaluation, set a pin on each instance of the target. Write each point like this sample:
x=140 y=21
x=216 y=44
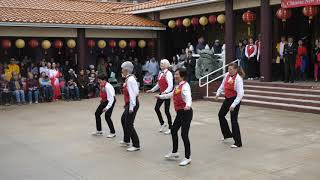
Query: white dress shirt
x=281 y=49
x=133 y=90
x=169 y=79
x=186 y=93
x=110 y=95
x=238 y=87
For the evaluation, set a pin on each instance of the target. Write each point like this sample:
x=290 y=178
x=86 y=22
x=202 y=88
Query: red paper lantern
x=310 y=11
x=133 y=44
x=248 y=17
x=33 y=43
x=212 y=19
x=284 y=14
x=6 y=44
x=58 y=44
x=195 y=22
x=179 y=23
x=91 y=43
x=112 y=44
x=151 y=44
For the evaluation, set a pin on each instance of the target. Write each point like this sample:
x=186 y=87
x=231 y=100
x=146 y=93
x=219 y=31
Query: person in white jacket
x=232 y=86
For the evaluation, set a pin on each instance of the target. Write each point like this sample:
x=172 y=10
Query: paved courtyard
x=52 y=142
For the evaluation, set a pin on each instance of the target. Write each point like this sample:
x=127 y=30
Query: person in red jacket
x=301 y=60
x=107 y=102
x=131 y=93
x=232 y=86
x=182 y=104
x=165 y=84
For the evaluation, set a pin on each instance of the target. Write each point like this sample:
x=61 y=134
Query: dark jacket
x=32 y=84
x=240 y=53
x=13 y=85
x=83 y=80
x=290 y=52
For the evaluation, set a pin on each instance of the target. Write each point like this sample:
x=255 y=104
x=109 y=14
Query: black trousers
x=166 y=109
x=252 y=65
x=107 y=116
x=127 y=121
x=289 y=69
x=183 y=120
x=234 y=121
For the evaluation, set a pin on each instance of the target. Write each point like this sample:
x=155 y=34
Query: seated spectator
x=83 y=84
x=34 y=69
x=17 y=89
x=63 y=87
x=148 y=79
x=46 y=87
x=5 y=91
x=92 y=85
x=44 y=68
x=73 y=89
x=33 y=89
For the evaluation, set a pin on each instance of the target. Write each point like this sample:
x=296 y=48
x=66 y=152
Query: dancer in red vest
x=232 y=86
x=251 y=52
x=182 y=103
x=165 y=84
x=131 y=93
x=107 y=102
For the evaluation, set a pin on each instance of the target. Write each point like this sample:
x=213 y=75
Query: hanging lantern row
x=33 y=43
x=309 y=11
x=122 y=44
x=195 y=22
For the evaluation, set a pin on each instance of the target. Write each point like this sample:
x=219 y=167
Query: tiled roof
x=70 y=12
x=65 y=5
x=74 y=17
x=149 y=5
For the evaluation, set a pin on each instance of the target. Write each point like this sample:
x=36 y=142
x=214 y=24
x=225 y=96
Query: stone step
x=275 y=105
x=304 y=85
x=282 y=89
x=284 y=95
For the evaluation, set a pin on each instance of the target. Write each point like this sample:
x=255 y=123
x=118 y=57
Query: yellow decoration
x=203 y=21
x=20 y=43
x=122 y=44
x=221 y=19
x=46 y=44
x=142 y=44
x=186 y=22
x=102 y=44
x=71 y=43
x=172 y=24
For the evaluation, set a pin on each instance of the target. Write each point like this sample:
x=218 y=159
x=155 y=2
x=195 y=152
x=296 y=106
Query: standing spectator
x=250 y=52
x=190 y=65
x=240 y=55
x=13 y=66
x=5 y=91
x=46 y=87
x=316 y=61
x=23 y=69
x=33 y=69
x=66 y=67
x=183 y=55
x=83 y=84
x=54 y=75
x=63 y=87
x=290 y=52
x=138 y=71
x=217 y=48
x=44 y=68
x=301 y=61
x=200 y=45
x=17 y=88
x=153 y=67
x=280 y=59
x=33 y=89
x=175 y=64
x=92 y=85
x=101 y=68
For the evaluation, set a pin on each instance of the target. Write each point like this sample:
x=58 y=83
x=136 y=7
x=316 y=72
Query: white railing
x=207 y=82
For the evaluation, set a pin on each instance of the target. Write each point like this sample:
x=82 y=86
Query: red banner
x=298 y=3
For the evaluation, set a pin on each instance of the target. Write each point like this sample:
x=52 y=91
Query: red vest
x=162 y=82
x=126 y=94
x=250 y=50
x=229 y=91
x=177 y=98
x=103 y=92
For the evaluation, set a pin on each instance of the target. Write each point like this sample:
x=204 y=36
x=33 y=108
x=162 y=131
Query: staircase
x=303 y=97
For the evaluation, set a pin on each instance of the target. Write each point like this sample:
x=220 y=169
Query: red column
x=266 y=45
x=230 y=32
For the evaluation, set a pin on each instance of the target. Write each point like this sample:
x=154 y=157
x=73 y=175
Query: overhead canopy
x=298 y=3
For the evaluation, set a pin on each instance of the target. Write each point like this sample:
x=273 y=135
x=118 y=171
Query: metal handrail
x=217 y=70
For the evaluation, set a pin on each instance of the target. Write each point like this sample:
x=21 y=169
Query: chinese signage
x=298 y=3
